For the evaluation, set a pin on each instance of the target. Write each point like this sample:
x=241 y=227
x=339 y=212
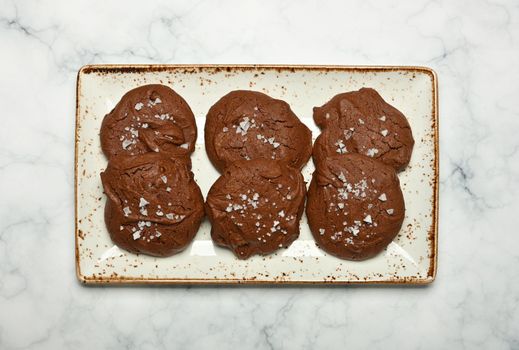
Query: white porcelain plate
x=410 y=258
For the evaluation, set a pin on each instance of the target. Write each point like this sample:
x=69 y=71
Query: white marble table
x=473 y=46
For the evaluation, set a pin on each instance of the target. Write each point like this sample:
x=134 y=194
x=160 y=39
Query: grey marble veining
x=473 y=46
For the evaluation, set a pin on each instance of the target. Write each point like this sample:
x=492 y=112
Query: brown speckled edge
x=136 y=68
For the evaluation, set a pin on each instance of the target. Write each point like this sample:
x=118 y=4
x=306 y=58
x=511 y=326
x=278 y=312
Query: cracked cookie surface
x=362 y=122
x=355 y=206
x=250 y=125
x=255 y=207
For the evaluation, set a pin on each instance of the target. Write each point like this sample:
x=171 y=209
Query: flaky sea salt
x=164 y=116
x=382 y=197
x=270 y=140
x=336 y=236
x=127 y=211
x=390 y=211
x=127 y=143
x=371 y=152
x=139 y=106
x=384 y=132
x=142 y=206
x=243 y=126
x=341 y=147
x=275 y=226
x=343 y=193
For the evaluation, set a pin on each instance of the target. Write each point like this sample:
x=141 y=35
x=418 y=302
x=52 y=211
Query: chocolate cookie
x=355 y=206
x=154 y=206
x=250 y=125
x=255 y=207
x=362 y=122
x=150 y=118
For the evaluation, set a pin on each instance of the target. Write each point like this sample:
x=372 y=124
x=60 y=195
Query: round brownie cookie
x=255 y=207
x=250 y=125
x=362 y=122
x=355 y=206
x=154 y=205
x=150 y=118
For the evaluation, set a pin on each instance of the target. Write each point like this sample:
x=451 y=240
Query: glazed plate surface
x=411 y=258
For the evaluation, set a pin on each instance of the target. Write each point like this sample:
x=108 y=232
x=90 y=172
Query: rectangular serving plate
x=410 y=259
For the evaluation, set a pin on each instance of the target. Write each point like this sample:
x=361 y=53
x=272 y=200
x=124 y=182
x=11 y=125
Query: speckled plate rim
x=119 y=68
